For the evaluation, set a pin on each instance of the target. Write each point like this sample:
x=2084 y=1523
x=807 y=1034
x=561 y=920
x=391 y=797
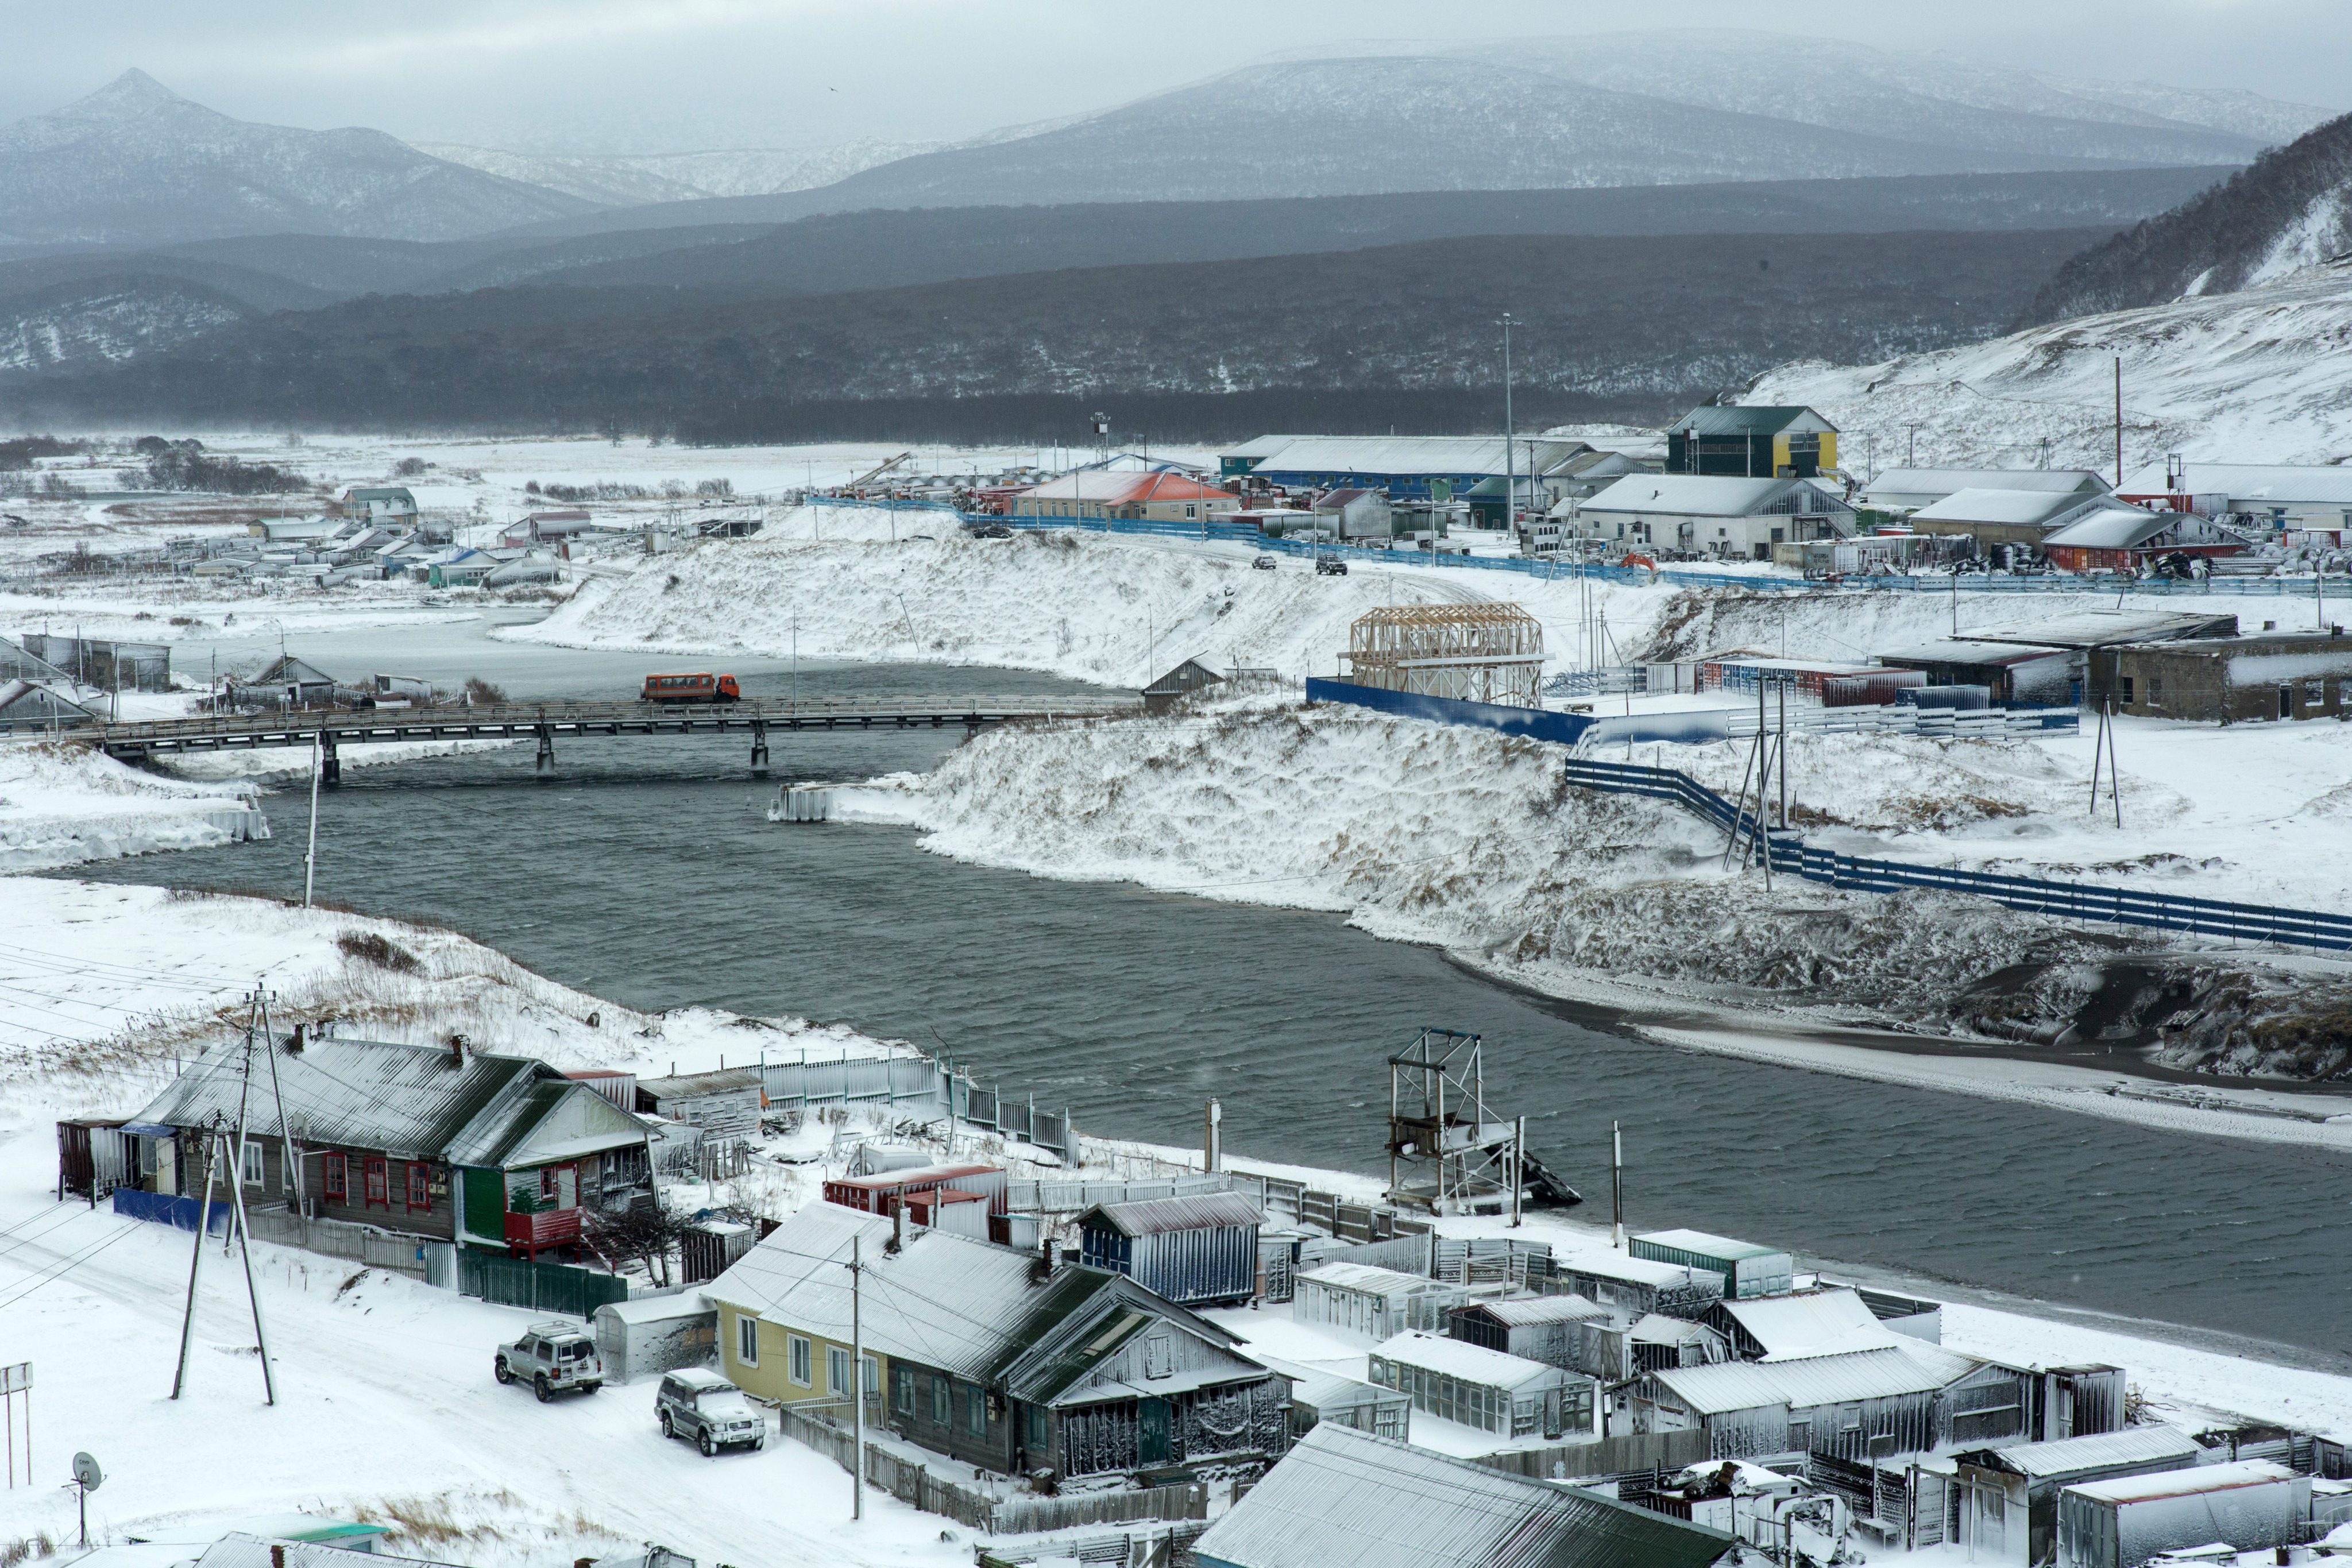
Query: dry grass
x=371 y=947
x=25 y=1548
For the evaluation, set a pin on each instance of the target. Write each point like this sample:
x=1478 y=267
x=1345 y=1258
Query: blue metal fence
x=165 y=1209
x=1680 y=576
x=2313 y=928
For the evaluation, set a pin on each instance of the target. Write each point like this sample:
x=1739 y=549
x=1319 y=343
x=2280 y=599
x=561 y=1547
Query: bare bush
x=368 y=947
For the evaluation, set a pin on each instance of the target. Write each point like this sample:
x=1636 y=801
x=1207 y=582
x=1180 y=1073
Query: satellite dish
x=87 y=1472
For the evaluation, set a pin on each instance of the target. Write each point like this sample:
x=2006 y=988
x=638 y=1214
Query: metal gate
x=539 y=1287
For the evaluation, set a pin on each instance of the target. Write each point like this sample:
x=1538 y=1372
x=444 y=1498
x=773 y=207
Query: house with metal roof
x=500 y=1153
x=27 y=705
x=2009 y=671
x=1347 y=1496
x=1998 y=517
x=1731 y=519
x=2004 y=1501
x=1419 y=468
x=288 y=682
x=1900 y=1399
x=1548 y=1328
x=2313 y=498
x=1197 y=1250
x=1910 y=490
x=1004 y=1360
x=2113 y=537
x=1752 y=441
x=380 y=503
x=1152 y=495
x=1802 y=1323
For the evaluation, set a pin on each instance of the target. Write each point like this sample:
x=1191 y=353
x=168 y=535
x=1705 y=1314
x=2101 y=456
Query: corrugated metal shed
x=2187 y=1482
x=1802 y=1385
x=2075 y=1455
x=1157 y=1216
x=1466 y=1361
x=1194 y=1250
x=2114 y=526
x=1347 y=1496
x=2015 y=508
x=1532 y=1309
x=1813 y=1323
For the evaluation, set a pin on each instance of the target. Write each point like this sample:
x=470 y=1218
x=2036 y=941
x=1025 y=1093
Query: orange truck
x=667 y=689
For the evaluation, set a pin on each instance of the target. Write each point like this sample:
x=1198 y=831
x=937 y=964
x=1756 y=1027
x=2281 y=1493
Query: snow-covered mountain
x=2291 y=210
x=2254 y=376
x=136 y=164
x=639 y=179
x=1630 y=108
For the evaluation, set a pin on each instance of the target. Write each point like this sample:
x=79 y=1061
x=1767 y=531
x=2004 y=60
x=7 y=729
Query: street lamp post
x=1511 y=429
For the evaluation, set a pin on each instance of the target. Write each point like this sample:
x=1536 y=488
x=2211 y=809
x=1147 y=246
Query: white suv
x=552 y=1356
x=695 y=1401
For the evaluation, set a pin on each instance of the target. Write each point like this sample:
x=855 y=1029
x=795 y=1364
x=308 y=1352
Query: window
x=975 y=1412
x=546 y=1184
x=254 y=1153
x=2124 y=683
x=2315 y=692
x=802 y=1375
x=872 y=1380
x=1040 y=1437
x=902 y=1391
x=377 y=1191
x=747 y=1339
x=836 y=1370
x=338 y=1179
x=420 y=1185
x=2156 y=691
x=939 y=1401
x=1159 y=1356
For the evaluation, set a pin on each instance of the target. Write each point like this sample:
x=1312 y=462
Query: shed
x=1904 y=489
x=655 y=1333
x=1659 y=1340
x=2005 y=1501
x=1319 y=1394
x=1378 y=1303
x=725 y=1104
x=708 y=1247
x=1739 y=518
x=2122 y=1523
x=1471 y=1385
x=2294 y=675
x=2009 y=672
x=882 y=1192
x=1343 y=1496
x=1353 y=512
x=1182 y=681
x=288 y=682
x=1802 y=1323
x=1195 y=1250
x=1746 y=1268
x=1909 y=1396
x=1638 y=1285
x=1548 y=1328
x=24 y=705
x=1993 y=517
x=2117 y=538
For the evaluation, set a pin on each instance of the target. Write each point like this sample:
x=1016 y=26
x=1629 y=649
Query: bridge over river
x=545 y=722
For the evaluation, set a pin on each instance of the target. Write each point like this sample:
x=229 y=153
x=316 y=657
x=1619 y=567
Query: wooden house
x=725 y=1104
x=498 y=1152
x=1897 y=1400
x=997 y=1358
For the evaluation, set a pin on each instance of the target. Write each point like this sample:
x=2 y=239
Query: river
x=646 y=872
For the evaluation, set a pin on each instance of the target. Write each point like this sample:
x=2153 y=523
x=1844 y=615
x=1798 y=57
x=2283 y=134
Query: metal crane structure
x=1446 y=1154
x=878 y=471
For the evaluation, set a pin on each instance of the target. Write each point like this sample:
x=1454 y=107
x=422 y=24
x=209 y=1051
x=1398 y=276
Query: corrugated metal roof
x=1816 y=1322
x=1531 y=1310
x=2187 y=1482
x=1155 y=1216
x=1705 y=1245
x=2112 y=526
x=1632 y=1271
x=1884 y=1374
x=1345 y=1496
x=2017 y=507
x=1328 y=1390
x=2099 y=628
x=1971 y=651
x=1115 y=488
x=1704 y=495
x=238 y=1549
x=685 y=1086
x=1960 y=481
x=1657 y=1329
x=2257 y=484
x=1262 y=447
x=1371 y=1278
x=2072 y=1455
x=417 y=1100
x=1743 y=419
x=1471 y=1364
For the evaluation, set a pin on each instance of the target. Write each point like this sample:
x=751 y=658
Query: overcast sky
x=675 y=75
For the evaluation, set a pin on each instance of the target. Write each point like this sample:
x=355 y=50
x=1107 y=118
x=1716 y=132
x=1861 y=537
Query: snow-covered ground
x=2249 y=377
x=61 y=803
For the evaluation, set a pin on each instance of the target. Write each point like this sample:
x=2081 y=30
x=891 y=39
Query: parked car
x=695 y=1401
x=991 y=530
x=1331 y=566
x=551 y=1357
x=1263 y=563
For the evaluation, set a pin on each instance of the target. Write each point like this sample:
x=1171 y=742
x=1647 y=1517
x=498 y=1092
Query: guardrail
x=2321 y=931
x=1681 y=576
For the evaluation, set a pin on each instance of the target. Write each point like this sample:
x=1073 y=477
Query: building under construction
x=1479 y=653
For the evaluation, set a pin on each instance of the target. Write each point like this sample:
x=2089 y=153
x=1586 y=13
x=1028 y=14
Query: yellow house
x=789 y=1365
x=1752 y=441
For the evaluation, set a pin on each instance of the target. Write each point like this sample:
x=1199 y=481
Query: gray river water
x=646 y=872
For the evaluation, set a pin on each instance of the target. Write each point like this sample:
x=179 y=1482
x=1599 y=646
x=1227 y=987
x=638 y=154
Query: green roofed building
x=1752 y=442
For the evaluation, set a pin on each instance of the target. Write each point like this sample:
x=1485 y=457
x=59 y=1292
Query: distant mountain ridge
x=2292 y=209
x=135 y=163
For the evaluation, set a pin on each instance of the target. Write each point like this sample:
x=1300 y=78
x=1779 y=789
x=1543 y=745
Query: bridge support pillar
x=759 y=748
x=330 y=766
x=544 y=762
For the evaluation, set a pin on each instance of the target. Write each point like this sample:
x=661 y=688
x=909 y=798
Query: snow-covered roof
x=1657 y=1329
x=2024 y=508
x=1971 y=650
x=1370 y=1278
x=1948 y=482
x=1702 y=1243
x=1811 y=1324
x=1113 y=489
x=2255 y=484
x=1707 y=495
x=1196 y=1211
x=1632 y=1271
x=2099 y=628
x=2187 y=1482
x=2101 y=1450
x=1751 y=419
x=1469 y=1362
x=2113 y=527
x=1884 y=1374
x=1345 y=1496
x=239 y=1549
x=1262 y=447
x=1530 y=1310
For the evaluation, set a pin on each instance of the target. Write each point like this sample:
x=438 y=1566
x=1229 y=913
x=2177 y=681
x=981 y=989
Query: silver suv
x=696 y=1403
x=552 y=1357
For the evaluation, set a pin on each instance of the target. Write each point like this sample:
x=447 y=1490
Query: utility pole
x=293 y=1174
x=196 y=1262
x=1511 y=429
x=310 y=855
x=2119 y=422
x=857 y=1377
x=1616 y=1188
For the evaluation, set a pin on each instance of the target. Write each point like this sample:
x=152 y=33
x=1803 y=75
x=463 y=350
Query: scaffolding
x=1478 y=653
x=1446 y=1154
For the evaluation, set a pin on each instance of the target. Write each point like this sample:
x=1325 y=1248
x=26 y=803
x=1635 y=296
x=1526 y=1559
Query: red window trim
x=379 y=1184
x=338 y=1179
x=420 y=1185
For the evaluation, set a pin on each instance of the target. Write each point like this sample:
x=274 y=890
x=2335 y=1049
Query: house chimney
x=898 y=1223
x=457 y=1051
x=294 y=1046
x=1212 y=1150
x=1049 y=1257
x=277 y=1554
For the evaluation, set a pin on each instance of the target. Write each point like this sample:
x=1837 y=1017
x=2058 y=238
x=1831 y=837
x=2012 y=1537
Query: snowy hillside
x=635 y=180
x=2291 y=210
x=137 y=163
x=108 y=318
x=2255 y=376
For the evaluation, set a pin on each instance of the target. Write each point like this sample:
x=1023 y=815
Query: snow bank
x=61 y=803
